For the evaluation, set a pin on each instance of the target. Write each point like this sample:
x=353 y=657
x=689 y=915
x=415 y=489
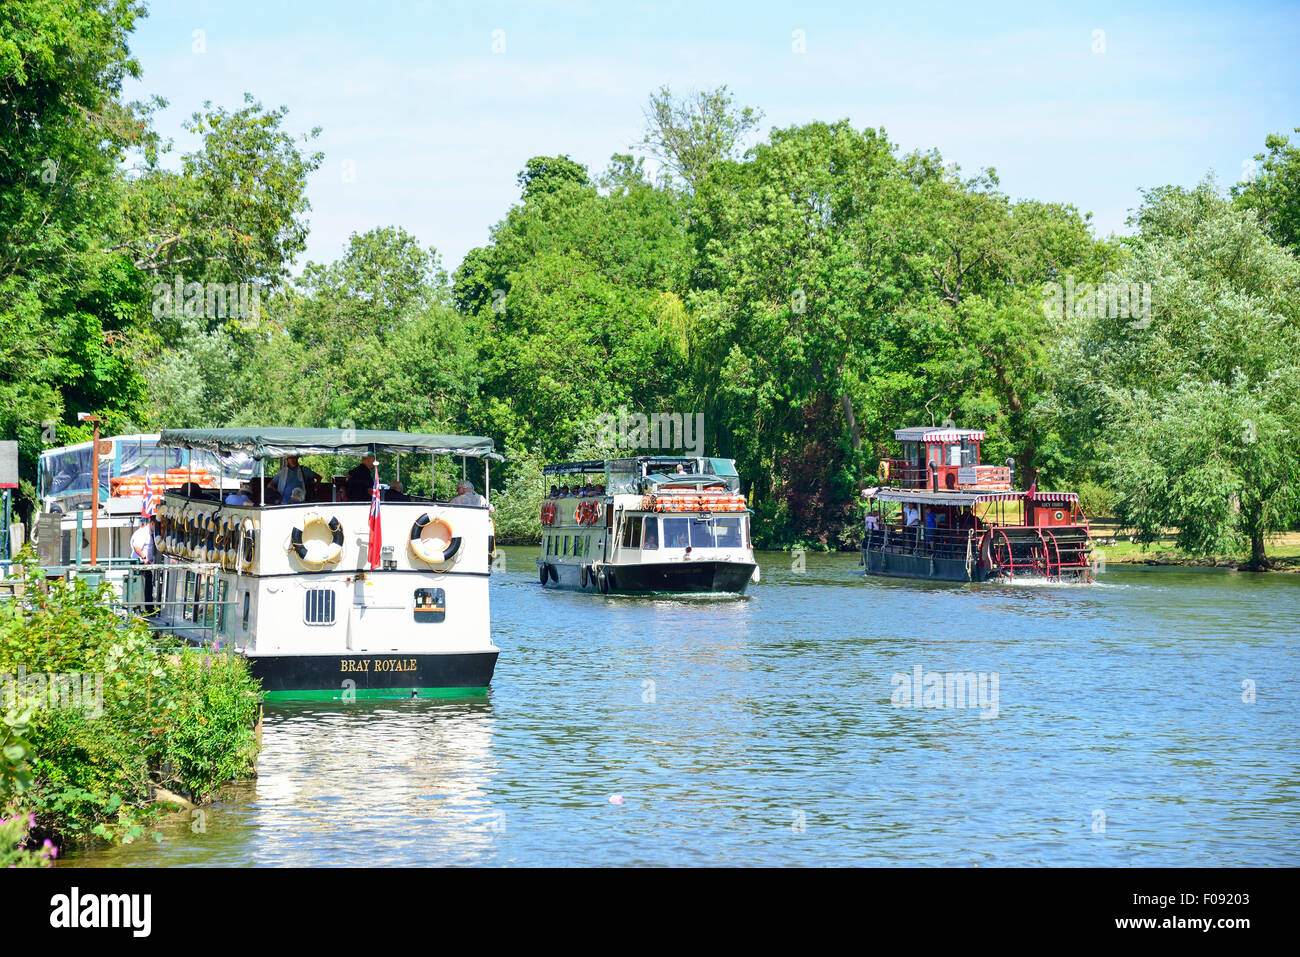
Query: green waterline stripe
x=395 y=694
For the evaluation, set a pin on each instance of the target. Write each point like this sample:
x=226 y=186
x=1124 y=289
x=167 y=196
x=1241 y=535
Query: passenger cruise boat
x=320 y=610
x=130 y=467
x=646 y=524
x=939 y=513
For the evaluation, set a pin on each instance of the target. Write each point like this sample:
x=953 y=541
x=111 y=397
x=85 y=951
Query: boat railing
x=920 y=540
x=206 y=616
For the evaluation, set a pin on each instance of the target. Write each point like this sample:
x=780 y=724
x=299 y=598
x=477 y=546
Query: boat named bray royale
x=939 y=513
x=299 y=590
x=646 y=524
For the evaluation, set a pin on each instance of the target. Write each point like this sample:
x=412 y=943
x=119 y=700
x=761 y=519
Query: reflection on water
x=761 y=730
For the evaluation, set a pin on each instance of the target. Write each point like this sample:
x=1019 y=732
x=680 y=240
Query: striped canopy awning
x=1064 y=498
x=925 y=434
x=1000 y=497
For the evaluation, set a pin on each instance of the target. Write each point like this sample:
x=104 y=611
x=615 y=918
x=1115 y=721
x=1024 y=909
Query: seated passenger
x=396 y=493
x=465 y=495
x=242 y=496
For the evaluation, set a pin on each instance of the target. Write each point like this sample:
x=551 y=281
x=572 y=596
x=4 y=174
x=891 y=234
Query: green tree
x=689 y=134
x=1274 y=193
x=1197 y=409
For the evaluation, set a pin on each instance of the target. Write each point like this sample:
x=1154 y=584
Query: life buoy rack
x=549 y=510
x=588 y=512
x=427 y=549
x=333 y=549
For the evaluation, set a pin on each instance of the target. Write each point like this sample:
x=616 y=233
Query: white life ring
x=318 y=543
x=432 y=540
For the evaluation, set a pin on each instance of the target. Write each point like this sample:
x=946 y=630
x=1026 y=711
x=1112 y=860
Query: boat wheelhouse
x=646 y=524
x=939 y=513
x=299 y=590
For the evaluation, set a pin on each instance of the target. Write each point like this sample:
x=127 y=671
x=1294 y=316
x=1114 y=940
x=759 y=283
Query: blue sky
x=426 y=127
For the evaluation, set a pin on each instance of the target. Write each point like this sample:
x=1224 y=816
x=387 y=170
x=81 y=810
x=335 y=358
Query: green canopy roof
x=265 y=443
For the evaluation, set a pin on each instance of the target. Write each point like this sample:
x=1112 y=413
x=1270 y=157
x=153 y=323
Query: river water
x=1150 y=719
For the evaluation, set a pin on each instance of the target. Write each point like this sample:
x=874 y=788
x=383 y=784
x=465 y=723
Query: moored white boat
x=297 y=589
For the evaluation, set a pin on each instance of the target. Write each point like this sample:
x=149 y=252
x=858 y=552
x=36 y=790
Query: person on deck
x=293 y=475
x=911 y=514
x=243 y=496
x=396 y=493
x=361 y=479
x=465 y=495
x=144 y=547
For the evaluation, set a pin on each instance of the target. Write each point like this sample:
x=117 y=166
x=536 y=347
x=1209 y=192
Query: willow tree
x=1199 y=403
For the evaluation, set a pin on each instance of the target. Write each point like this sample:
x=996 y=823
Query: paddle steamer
x=646 y=524
x=320 y=610
x=939 y=513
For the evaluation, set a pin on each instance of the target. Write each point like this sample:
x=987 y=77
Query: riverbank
x=107 y=725
x=1114 y=542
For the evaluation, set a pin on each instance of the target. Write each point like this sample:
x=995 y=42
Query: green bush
x=1096 y=500
x=136 y=710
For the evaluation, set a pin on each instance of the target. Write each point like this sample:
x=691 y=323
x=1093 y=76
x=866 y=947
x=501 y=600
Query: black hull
x=684 y=577
x=906 y=565
x=345 y=677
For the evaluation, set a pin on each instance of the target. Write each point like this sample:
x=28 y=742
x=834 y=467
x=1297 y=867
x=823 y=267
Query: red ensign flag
x=376 y=533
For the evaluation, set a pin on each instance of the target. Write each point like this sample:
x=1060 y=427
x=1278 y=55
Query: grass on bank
x=1116 y=543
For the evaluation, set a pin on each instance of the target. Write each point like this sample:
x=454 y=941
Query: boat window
x=566 y=545
x=319 y=608
x=967 y=453
x=718 y=533
x=677 y=532
x=223 y=588
x=248 y=602
x=632 y=532
x=187 y=608
x=651 y=539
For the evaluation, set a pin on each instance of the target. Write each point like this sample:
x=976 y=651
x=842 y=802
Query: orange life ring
x=588 y=512
x=548 y=513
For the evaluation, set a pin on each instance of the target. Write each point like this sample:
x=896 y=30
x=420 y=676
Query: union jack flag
x=376 y=530
x=147 y=505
